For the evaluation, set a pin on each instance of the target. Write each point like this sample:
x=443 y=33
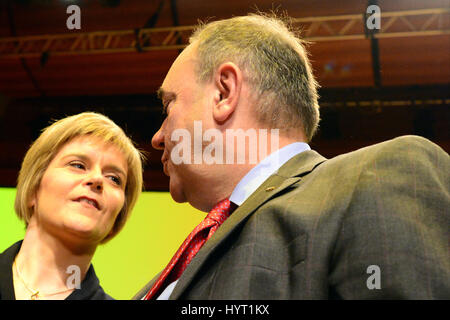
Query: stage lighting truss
x=426 y=22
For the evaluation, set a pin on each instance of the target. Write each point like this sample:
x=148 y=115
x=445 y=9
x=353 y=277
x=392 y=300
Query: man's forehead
x=178 y=71
x=188 y=55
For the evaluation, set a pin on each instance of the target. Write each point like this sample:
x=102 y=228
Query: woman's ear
x=228 y=82
x=32 y=200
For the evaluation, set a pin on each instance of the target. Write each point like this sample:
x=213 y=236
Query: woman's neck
x=49 y=265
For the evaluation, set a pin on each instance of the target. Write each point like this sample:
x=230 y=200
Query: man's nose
x=158 y=140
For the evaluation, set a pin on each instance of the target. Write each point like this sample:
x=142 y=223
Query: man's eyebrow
x=160 y=93
x=164 y=96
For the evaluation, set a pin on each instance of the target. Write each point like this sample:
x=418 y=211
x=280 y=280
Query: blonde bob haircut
x=54 y=137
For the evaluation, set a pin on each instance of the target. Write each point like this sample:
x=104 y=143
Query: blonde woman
x=77 y=185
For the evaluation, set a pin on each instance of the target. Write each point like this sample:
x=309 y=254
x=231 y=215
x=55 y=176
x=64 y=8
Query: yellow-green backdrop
x=155 y=230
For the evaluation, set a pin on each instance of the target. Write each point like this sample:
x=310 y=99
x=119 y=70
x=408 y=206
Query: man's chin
x=177 y=194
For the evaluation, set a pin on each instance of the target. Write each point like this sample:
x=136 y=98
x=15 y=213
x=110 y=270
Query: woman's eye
x=77 y=165
x=116 y=180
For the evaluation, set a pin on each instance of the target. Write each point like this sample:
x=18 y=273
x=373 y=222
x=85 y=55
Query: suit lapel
x=290 y=173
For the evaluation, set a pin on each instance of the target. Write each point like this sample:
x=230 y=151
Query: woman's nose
x=95 y=181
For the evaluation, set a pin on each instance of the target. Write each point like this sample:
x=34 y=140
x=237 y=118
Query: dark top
x=90 y=288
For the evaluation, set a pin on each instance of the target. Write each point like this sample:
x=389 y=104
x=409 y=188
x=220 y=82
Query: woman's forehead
x=90 y=145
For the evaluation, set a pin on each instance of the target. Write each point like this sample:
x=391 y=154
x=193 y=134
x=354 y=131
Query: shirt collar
x=268 y=166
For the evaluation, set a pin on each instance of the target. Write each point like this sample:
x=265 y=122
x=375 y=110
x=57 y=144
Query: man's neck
x=228 y=178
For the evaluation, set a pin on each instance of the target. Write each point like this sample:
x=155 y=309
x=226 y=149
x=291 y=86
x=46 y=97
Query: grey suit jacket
x=373 y=223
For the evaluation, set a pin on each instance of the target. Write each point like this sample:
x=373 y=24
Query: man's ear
x=228 y=81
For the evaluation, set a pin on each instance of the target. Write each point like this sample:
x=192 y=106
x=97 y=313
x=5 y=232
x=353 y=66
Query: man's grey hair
x=274 y=61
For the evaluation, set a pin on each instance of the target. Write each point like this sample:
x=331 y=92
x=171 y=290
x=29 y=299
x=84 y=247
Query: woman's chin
x=83 y=229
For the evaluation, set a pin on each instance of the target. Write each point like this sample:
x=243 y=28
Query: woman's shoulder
x=6 y=260
x=90 y=288
x=12 y=250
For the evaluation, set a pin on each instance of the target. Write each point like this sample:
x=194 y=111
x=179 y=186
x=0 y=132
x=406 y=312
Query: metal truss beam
x=426 y=22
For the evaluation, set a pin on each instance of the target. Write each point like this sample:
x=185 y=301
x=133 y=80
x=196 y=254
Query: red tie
x=191 y=246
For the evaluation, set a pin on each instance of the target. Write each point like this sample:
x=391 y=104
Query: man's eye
x=165 y=107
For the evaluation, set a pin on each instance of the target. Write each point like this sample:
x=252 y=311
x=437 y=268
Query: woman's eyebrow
x=86 y=158
x=76 y=155
x=116 y=169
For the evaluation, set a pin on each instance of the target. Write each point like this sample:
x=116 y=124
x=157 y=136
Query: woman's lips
x=88 y=201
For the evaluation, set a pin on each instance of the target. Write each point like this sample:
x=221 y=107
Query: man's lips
x=91 y=201
x=165 y=169
x=165 y=162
